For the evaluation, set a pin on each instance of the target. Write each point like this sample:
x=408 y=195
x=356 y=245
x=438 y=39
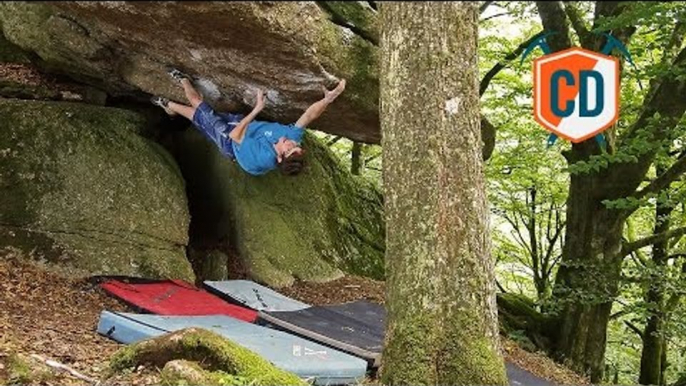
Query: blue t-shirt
x=256 y=154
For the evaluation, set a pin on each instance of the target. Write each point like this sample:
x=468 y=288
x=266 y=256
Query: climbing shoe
x=176 y=74
x=160 y=101
x=163 y=103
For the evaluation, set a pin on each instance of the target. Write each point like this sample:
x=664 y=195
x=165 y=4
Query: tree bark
x=654 y=348
x=442 y=318
x=355 y=158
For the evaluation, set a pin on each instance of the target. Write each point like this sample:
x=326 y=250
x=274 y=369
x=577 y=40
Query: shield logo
x=576 y=93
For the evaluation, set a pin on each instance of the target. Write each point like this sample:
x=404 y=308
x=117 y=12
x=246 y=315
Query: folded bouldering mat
x=174 y=297
x=253 y=295
x=356 y=328
x=304 y=358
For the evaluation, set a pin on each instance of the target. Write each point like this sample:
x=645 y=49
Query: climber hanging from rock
x=257 y=146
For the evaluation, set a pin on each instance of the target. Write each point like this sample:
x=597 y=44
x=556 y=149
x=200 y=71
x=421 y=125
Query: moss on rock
x=182 y=372
x=222 y=358
x=23 y=370
x=310 y=227
x=11 y=53
x=79 y=187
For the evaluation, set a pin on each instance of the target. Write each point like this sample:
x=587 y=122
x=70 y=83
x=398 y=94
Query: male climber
x=257 y=146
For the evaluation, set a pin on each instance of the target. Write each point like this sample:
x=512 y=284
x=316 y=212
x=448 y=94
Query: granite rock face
x=289 y=49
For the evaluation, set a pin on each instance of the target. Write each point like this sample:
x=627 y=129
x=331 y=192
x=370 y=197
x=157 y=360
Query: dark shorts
x=216 y=126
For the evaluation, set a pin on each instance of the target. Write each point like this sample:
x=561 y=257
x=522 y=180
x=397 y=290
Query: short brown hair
x=293 y=164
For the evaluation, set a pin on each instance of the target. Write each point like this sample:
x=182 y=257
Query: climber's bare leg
x=192 y=95
x=313 y=112
x=178 y=108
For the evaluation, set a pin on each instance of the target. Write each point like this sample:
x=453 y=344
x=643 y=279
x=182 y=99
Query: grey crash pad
x=253 y=295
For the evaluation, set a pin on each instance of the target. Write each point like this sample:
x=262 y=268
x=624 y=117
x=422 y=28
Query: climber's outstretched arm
x=238 y=133
x=315 y=110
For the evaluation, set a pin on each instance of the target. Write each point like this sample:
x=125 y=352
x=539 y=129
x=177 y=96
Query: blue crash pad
x=304 y=358
x=253 y=295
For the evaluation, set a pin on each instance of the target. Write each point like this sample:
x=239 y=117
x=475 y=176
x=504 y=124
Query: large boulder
x=81 y=188
x=310 y=227
x=291 y=49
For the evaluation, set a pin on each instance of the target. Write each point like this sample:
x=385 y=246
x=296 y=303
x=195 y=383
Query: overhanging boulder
x=290 y=49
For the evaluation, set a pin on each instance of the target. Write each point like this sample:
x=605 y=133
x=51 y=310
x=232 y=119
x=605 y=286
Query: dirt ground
x=44 y=313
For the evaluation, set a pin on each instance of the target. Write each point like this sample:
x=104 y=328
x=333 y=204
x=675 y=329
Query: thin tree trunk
x=442 y=318
x=654 y=348
x=355 y=158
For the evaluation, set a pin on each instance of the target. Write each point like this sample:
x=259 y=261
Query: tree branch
x=578 y=24
x=638 y=259
x=553 y=264
x=609 y=9
x=503 y=63
x=554 y=19
x=668 y=99
x=633 y=328
x=334 y=140
x=520 y=239
x=661 y=182
x=551 y=244
x=676 y=255
x=485 y=5
x=496 y=15
x=619 y=314
x=362 y=21
x=636 y=245
x=375 y=156
x=500 y=287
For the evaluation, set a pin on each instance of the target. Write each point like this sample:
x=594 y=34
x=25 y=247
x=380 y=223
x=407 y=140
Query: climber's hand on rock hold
x=259 y=100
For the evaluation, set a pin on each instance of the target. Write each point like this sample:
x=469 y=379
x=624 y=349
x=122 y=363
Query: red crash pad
x=175 y=297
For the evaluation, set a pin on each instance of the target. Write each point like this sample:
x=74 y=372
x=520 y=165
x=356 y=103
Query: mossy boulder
x=79 y=187
x=11 y=53
x=216 y=358
x=311 y=227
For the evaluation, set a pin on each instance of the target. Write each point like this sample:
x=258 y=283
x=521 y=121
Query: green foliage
x=521 y=164
x=371 y=156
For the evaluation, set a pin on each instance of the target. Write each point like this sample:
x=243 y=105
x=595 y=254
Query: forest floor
x=44 y=313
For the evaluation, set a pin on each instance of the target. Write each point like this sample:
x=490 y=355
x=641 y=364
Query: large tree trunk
x=442 y=326
x=587 y=280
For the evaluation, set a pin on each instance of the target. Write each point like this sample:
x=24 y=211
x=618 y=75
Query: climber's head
x=289 y=155
x=293 y=164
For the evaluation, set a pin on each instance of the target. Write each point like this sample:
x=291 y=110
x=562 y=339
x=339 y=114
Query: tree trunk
x=442 y=318
x=587 y=279
x=652 y=353
x=654 y=348
x=356 y=159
